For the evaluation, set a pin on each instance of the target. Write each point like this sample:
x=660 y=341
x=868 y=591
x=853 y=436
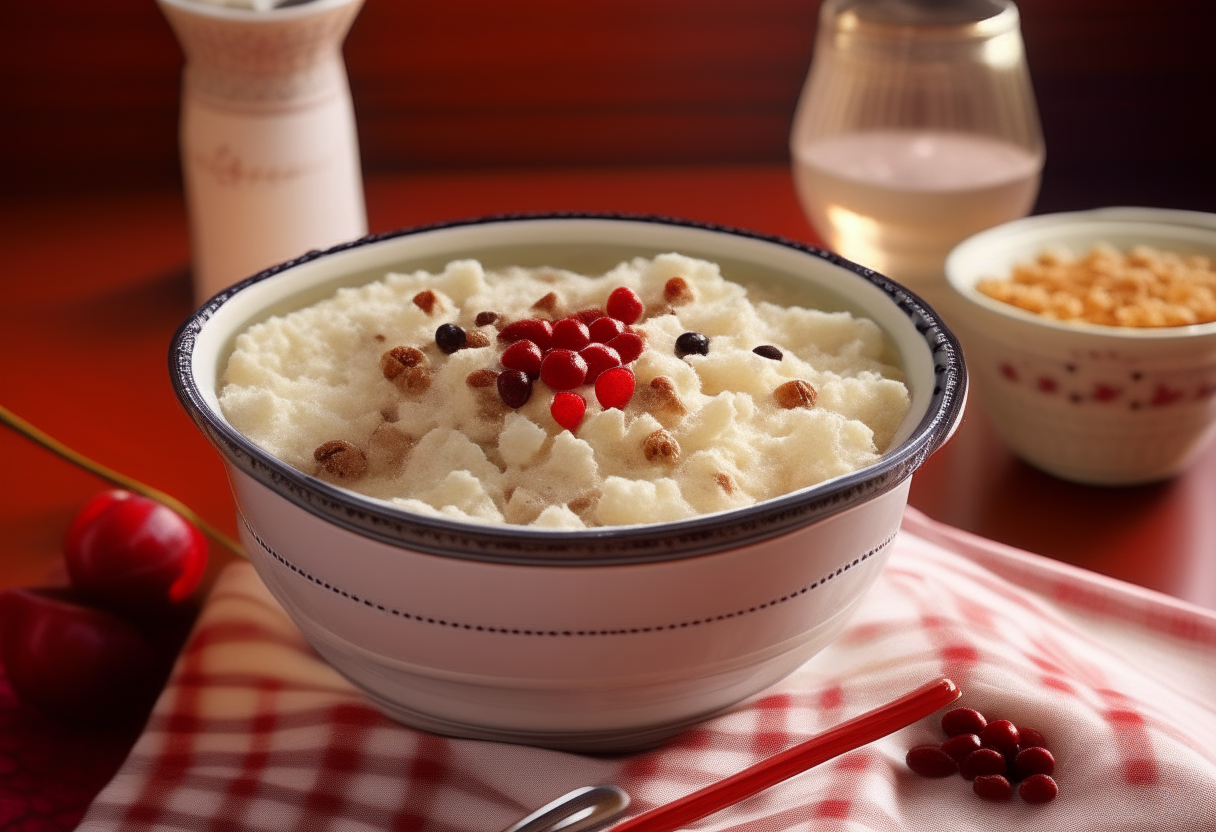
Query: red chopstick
x=846 y=736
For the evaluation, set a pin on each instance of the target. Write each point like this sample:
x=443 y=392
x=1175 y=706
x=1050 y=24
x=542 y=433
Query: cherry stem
x=53 y=445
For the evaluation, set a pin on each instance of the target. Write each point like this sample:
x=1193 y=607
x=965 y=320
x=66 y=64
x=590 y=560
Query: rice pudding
x=655 y=392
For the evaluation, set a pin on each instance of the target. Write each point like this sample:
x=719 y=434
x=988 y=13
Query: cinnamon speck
x=725 y=482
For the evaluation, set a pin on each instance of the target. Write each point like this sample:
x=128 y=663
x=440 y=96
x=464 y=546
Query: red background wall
x=1126 y=89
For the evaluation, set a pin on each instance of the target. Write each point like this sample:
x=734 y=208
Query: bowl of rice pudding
x=570 y=481
x=1091 y=337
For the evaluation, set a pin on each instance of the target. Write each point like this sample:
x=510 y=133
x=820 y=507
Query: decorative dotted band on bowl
x=518 y=631
x=1082 y=384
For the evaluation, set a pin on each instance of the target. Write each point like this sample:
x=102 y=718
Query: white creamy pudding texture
x=419 y=389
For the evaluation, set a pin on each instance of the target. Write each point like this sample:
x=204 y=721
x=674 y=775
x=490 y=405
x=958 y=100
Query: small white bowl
x=601 y=639
x=1094 y=404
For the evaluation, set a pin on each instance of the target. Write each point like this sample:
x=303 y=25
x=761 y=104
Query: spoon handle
x=847 y=736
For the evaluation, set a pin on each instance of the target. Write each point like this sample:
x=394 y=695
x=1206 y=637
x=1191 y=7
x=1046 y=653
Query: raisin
x=769 y=351
x=692 y=343
x=514 y=387
x=450 y=338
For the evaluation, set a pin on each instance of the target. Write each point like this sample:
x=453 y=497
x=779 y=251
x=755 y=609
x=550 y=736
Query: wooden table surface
x=96 y=285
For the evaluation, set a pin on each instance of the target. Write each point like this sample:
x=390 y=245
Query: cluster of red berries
x=99 y=648
x=589 y=347
x=992 y=755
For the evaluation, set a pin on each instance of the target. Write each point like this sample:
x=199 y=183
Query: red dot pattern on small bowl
x=994 y=756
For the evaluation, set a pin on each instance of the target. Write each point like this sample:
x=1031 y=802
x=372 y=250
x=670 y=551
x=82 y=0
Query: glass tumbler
x=916 y=128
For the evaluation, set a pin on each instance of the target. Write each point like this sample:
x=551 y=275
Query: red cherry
x=960 y=745
x=992 y=787
x=589 y=315
x=75 y=662
x=522 y=355
x=536 y=330
x=628 y=346
x=1038 y=788
x=983 y=761
x=930 y=761
x=624 y=305
x=603 y=330
x=568 y=409
x=563 y=369
x=1035 y=760
x=599 y=357
x=1002 y=735
x=132 y=554
x=1030 y=738
x=571 y=334
x=614 y=387
x=963 y=721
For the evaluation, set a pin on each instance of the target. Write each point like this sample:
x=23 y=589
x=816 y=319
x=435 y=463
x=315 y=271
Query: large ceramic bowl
x=1101 y=405
x=603 y=639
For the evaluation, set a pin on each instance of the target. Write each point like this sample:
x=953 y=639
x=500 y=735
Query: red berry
x=931 y=761
x=628 y=346
x=522 y=355
x=1029 y=738
x=1034 y=760
x=963 y=721
x=960 y=745
x=72 y=661
x=614 y=387
x=1038 y=788
x=132 y=554
x=536 y=330
x=1001 y=735
x=603 y=330
x=571 y=334
x=599 y=357
x=992 y=787
x=624 y=305
x=514 y=388
x=983 y=761
x=567 y=409
x=563 y=369
x=589 y=315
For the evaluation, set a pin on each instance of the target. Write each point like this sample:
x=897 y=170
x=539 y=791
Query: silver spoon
x=582 y=810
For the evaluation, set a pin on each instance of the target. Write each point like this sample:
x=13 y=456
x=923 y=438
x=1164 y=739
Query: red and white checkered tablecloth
x=255 y=732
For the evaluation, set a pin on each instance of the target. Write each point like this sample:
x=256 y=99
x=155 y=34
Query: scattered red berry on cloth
x=992 y=755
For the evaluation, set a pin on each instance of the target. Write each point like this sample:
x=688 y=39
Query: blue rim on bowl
x=601 y=545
